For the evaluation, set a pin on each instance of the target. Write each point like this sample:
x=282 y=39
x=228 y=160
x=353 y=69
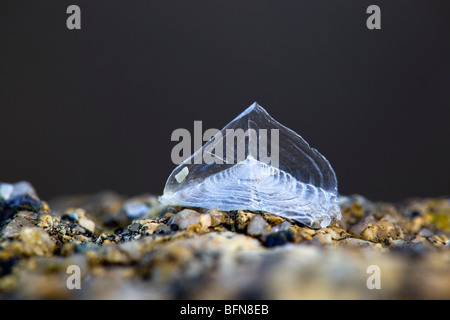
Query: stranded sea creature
x=243 y=167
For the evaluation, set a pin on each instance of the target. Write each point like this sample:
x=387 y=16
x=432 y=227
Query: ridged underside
x=253 y=185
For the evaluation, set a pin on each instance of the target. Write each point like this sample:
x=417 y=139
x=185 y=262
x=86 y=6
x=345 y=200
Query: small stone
x=9 y=191
x=369 y=233
x=45 y=221
x=87 y=224
x=337 y=233
x=134 y=227
x=426 y=232
x=165 y=229
x=242 y=219
x=104 y=236
x=323 y=238
x=217 y=217
x=419 y=244
x=13 y=228
x=272 y=219
x=399 y=243
x=25 y=202
x=440 y=241
x=83 y=220
x=15 y=203
x=135 y=208
x=6 y=190
x=257 y=226
x=386 y=229
x=279 y=238
x=361 y=225
x=205 y=220
x=184 y=219
x=354 y=242
x=36 y=242
x=302 y=233
x=150 y=227
x=282 y=226
x=23 y=188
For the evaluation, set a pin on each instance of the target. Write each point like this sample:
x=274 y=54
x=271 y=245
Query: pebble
x=217 y=217
x=278 y=238
x=205 y=220
x=358 y=228
x=13 y=228
x=36 y=242
x=134 y=227
x=282 y=226
x=22 y=188
x=87 y=224
x=242 y=219
x=83 y=220
x=150 y=227
x=143 y=207
x=354 y=242
x=257 y=226
x=369 y=233
x=426 y=232
x=6 y=190
x=323 y=238
x=135 y=209
x=17 y=197
x=184 y=219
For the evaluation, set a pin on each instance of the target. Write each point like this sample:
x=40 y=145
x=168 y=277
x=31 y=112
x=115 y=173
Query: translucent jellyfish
x=255 y=163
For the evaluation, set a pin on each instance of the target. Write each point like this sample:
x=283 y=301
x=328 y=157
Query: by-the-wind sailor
x=256 y=163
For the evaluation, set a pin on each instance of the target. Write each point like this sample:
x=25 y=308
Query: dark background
x=93 y=109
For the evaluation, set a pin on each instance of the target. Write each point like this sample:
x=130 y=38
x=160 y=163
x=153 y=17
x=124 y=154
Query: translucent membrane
x=268 y=168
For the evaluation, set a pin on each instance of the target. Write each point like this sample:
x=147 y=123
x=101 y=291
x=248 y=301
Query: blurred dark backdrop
x=93 y=109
